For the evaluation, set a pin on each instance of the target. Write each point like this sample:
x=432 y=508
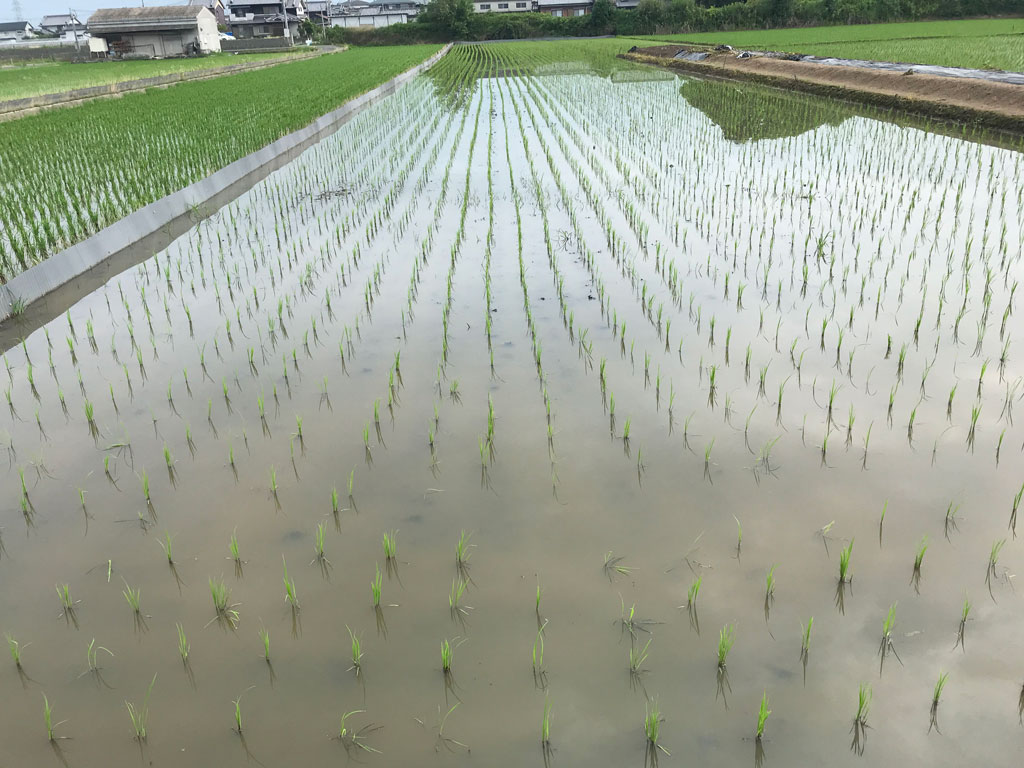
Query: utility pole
x=73 y=20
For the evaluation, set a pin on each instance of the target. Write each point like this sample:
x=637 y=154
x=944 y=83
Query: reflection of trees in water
x=750 y=112
x=453 y=94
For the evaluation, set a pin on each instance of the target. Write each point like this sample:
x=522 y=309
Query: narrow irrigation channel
x=554 y=410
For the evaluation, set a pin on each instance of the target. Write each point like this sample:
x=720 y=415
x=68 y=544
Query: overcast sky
x=34 y=10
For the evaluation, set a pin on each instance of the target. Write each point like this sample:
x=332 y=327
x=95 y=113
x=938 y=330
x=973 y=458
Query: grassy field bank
x=36 y=79
x=66 y=174
x=980 y=43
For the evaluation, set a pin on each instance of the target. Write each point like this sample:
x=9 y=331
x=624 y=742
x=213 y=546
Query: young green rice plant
x=762 y=715
x=273 y=482
x=15 y=648
x=233 y=549
x=463 y=551
x=290 y=594
x=224 y=609
x=455 y=605
x=805 y=642
x=993 y=560
x=265 y=642
x=375 y=587
x=859 y=729
x=48 y=720
x=1013 y=512
x=961 y=630
x=918 y=559
x=134 y=597
x=140 y=715
x=238 y=709
x=845 y=574
x=145 y=486
x=183 y=644
x=447 y=655
x=545 y=729
x=352 y=738
x=886 y=646
x=166 y=545
x=637 y=657
x=940 y=684
x=390 y=544
x=66 y=601
x=769 y=589
x=652 y=730
x=726 y=640
x=538 y=650
x=319 y=538
x=357 y=652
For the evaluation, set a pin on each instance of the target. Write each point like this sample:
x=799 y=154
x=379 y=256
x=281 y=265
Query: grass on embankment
x=37 y=78
x=976 y=43
x=117 y=155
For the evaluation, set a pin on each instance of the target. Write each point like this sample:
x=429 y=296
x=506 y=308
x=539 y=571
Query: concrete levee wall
x=104 y=252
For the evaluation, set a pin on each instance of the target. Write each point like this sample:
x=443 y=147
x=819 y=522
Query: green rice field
x=19 y=81
x=974 y=43
x=553 y=411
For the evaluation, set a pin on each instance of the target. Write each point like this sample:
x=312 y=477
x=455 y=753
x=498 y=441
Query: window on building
x=520 y=5
x=502 y=6
x=485 y=6
x=578 y=12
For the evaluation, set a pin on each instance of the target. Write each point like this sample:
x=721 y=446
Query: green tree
x=601 y=15
x=453 y=15
x=648 y=15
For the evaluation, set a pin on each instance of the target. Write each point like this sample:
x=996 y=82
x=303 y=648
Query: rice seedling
x=637 y=657
x=726 y=640
x=918 y=559
x=224 y=609
x=455 y=605
x=319 y=555
x=238 y=709
x=886 y=646
x=15 y=648
x=652 y=729
x=1013 y=512
x=357 y=652
x=762 y=715
x=140 y=715
x=448 y=655
x=355 y=739
x=66 y=601
x=183 y=645
x=390 y=544
x=48 y=721
x=463 y=551
x=264 y=636
x=133 y=596
x=375 y=588
x=961 y=629
x=545 y=729
x=845 y=575
x=290 y=594
x=940 y=684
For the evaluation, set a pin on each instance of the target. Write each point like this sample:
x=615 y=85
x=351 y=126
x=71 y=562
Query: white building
x=12 y=31
x=505 y=6
x=380 y=13
x=156 y=32
x=565 y=7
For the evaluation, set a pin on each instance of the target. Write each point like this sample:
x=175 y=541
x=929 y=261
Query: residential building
x=505 y=6
x=565 y=7
x=216 y=7
x=156 y=32
x=16 y=30
x=266 y=18
x=379 y=13
x=61 y=25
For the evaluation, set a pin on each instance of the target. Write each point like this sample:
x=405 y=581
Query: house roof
x=56 y=20
x=14 y=26
x=155 y=17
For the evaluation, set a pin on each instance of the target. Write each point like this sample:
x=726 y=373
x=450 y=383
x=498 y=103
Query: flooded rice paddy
x=531 y=418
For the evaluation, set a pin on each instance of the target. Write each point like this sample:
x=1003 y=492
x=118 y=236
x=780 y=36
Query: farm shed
x=156 y=32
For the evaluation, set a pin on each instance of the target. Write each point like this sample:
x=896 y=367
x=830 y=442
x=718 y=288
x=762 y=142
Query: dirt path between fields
x=994 y=105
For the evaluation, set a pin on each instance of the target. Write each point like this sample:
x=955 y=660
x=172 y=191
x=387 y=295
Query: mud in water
x=461 y=303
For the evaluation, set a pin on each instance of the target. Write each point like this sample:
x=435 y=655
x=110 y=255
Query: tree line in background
x=446 y=20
